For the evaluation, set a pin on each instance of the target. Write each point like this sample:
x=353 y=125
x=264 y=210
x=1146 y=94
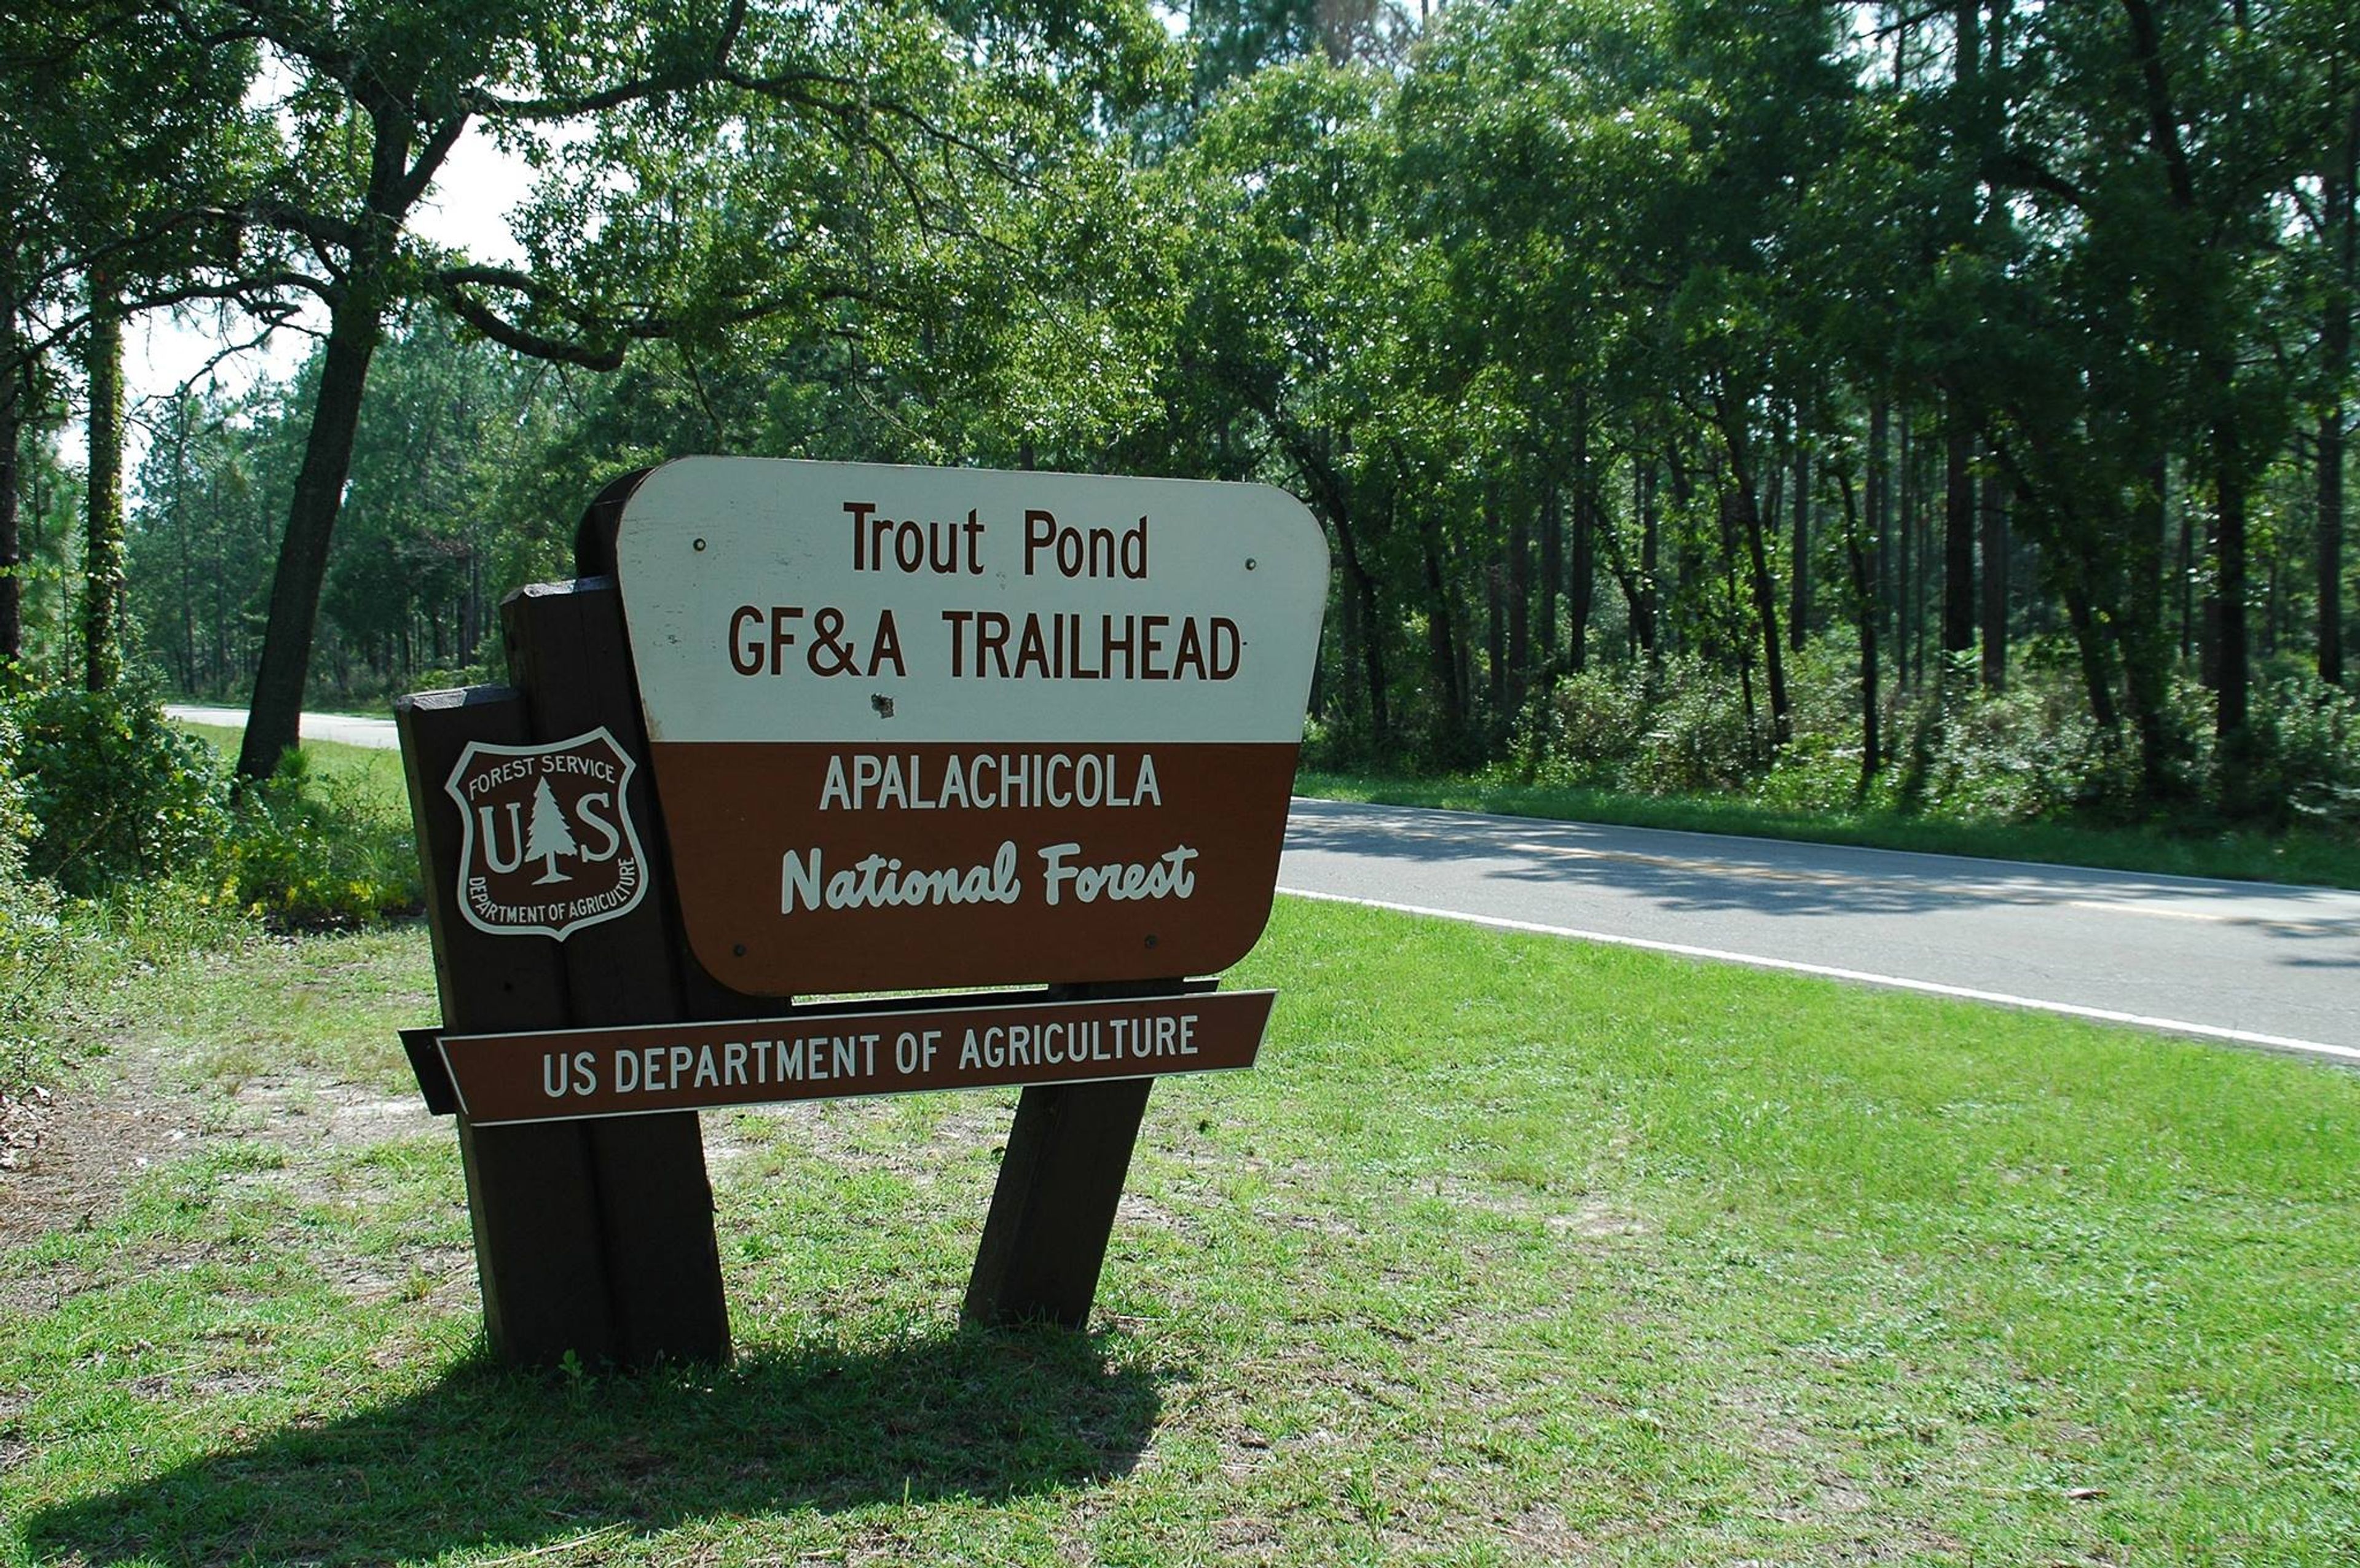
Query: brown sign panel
x=948 y=727
x=562 y=1074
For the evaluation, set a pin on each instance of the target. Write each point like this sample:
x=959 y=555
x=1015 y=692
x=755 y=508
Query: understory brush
x=123 y=841
x=1950 y=750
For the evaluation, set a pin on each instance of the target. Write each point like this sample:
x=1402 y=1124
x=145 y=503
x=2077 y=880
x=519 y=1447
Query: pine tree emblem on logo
x=549 y=845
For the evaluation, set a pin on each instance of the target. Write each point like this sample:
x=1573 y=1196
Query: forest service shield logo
x=549 y=847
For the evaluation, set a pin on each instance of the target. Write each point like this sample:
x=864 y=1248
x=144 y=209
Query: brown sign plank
x=531 y=1196
x=655 y=1204
x=562 y=1074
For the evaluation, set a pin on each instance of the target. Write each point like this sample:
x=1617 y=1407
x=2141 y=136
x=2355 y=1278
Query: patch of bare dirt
x=99 y=1137
x=22 y=1117
x=93 y=1143
x=293 y=1108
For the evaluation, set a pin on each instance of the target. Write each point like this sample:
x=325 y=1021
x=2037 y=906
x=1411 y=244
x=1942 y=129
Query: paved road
x=374 y=733
x=2240 y=960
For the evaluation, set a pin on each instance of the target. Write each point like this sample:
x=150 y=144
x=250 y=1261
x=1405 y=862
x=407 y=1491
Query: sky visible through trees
x=1690 y=389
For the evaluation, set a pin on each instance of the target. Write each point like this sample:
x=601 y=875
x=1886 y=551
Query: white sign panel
x=960 y=725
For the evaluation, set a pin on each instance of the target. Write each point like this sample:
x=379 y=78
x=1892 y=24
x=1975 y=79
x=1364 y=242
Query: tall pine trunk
x=1742 y=491
x=1651 y=546
x=13 y=399
x=1994 y=584
x=1765 y=612
x=1360 y=599
x=1957 y=536
x=2144 y=650
x=2336 y=352
x=1799 y=604
x=1552 y=562
x=1865 y=593
x=1905 y=581
x=1881 y=555
x=1520 y=602
x=1442 y=644
x=103 y=520
x=2232 y=659
x=2331 y=544
x=1580 y=589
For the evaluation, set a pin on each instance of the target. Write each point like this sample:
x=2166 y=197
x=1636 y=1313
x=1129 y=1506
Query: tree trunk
x=2232 y=660
x=1580 y=589
x=1738 y=494
x=102 y=522
x=2187 y=596
x=353 y=330
x=1905 y=669
x=1373 y=661
x=1360 y=591
x=1347 y=642
x=1958 y=537
x=12 y=417
x=1441 y=643
x=181 y=533
x=2096 y=659
x=1879 y=499
x=1520 y=602
x=2330 y=545
x=1798 y=566
x=1765 y=608
x=220 y=574
x=2142 y=646
x=1864 y=593
x=1995 y=584
x=1496 y=639
x=2335 y=353
x=1650 y=555
x=2208 y=610
x=1552 y=562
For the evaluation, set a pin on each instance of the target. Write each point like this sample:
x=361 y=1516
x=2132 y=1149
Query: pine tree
x=548 y=835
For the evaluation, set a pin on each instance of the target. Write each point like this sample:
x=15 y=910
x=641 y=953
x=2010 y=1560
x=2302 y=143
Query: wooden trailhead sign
x=805 y=729
x=920 y=727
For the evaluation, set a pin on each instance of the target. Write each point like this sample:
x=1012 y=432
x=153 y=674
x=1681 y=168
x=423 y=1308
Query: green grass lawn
x=369 y=773
x=1514 y=1250
x=2314 y=857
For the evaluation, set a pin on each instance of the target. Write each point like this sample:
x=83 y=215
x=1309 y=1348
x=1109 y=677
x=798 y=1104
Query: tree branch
x=491 y=105
x=429 y=161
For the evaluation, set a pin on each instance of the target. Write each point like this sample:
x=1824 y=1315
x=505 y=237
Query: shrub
x=1695 y=737
x=1819 y=772
x=2306 y=749
x=2025 y=755
x=114 y=792
x=308 y=851
x=35 y=946
x=1580 y=728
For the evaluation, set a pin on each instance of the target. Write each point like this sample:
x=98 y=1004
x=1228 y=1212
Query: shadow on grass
x=486 y=1459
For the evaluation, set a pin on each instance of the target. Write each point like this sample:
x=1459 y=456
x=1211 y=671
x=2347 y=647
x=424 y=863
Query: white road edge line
x=2343 y=1053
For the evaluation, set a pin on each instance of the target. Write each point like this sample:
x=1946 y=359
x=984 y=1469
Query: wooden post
x=1053 y=1209
x=655 y=1204
x=531 y=1197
